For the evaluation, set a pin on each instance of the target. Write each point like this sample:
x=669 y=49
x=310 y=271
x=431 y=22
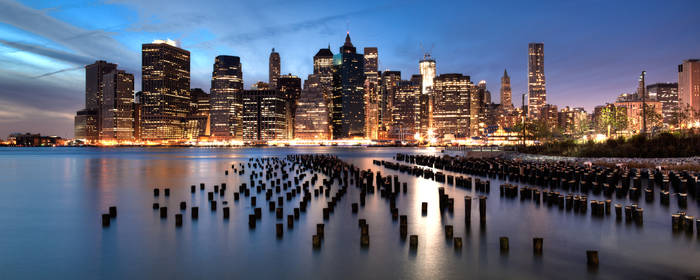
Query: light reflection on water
x=52 y=197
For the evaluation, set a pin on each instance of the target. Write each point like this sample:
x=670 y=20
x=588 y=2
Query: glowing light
x=166 y=41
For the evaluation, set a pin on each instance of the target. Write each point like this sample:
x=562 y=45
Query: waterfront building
x=264 y=116
x=372 y=98
x=572 y=121
x=634 y=114
x=428 y=71
x=311 y=121
x=117 y=105
x=406 y=110
x=225 y=100
x=549 y=114
x=290 y=86
x=451 y=112
x=85 y=125
x=689 y=86
x=94 y=92
x=200 y=110
x=165 y=84
x=348 y=111
x=274 y=69
x=387 y=90
x=536 y=87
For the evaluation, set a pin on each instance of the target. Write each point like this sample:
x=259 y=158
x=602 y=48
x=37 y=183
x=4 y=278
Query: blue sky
x=594 y=50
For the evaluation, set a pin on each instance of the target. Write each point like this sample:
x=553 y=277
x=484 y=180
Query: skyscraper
x=264 y=115
x=117 y=106
x=406 y=110
x=94 y=94
x=536 y=86
x=389 y=83
x=290 y=87
x=506 y=94
x=165 y=84
x=311 y=121
x=371 y=93
x=274 y=71
x=451 y=114
x=689 y=86
x=226 y=102
x=426 y=99
x=348 y=112
x=323 y=67
x=200 y=110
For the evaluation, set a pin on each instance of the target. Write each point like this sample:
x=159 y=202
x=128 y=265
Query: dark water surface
x=51 y=200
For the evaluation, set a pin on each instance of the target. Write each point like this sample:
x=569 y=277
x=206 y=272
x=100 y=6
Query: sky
x=594 y=50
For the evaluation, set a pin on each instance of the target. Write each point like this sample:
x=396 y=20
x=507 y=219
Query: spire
x=347 y=40
x=505 y=73
x=273 y=49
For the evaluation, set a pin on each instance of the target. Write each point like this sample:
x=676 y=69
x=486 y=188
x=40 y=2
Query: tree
x=613 y=117
x=654 y=119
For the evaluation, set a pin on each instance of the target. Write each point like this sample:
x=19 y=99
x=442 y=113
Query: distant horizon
x=593 y=51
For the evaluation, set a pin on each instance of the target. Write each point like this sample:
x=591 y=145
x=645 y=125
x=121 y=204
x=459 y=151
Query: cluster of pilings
x=680 y=222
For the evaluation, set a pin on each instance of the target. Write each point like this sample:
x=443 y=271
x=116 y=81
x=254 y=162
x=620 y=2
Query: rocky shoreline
x=670 y=163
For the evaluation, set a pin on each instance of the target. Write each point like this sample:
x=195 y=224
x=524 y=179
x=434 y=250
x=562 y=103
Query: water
x=51 y=200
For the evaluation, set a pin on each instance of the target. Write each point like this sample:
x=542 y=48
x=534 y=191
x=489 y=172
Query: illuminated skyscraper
x=165 y=84
x=536 y=86
x=323 y=67
x=406 y=110
x=274 y=71
x=348 y=111
x=428 y=72
x=264 y=115
x=389 y=83
x=290 y=87
x=451 y=113
x=117 y=106
x=689 y=86
x=226 y=103
x=372 y=99
x=506 y=93
x=311 y=122
x=91 y=116
x=200 y=111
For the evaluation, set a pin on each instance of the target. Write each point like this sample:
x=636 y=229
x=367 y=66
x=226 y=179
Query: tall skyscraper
x=290 y=87
x=274 y=71
x=348 y=112
x=506 y=94
x=323 y=67
x=117 y=106
x=264 y=115
x=226 y=102
x=536 y=86
x=94 y=92
x=200 y=110
x=389 y=83
x=406 y=110
x=689 y=86
x=311 y=121
x=371 y=93
x=165 y=84
x=451 y=114
x=426 y=99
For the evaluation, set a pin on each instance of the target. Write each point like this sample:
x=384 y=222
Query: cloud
x=93 y=44
x=47 y=52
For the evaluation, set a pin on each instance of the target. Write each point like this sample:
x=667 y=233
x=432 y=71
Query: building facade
x=689 y=87
x=165 y=83
x=536 y=87
x=264 y=116
x=451 y=112
x=406 y=110
x=428 y=71
x=312 y=112
x=274 y=69
x=348 y=111
x=506 y=93
x=290 y=86
x=387 y=90
x=667 y=95
x=372 y=98
x=117 y=106
x=225 y=100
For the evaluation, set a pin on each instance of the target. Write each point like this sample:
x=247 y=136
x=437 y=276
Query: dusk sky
x=594 y=50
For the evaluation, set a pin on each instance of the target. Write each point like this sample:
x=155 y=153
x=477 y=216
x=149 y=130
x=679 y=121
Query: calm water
x=51 y=200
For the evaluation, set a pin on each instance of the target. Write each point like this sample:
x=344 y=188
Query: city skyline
x=30 y=100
